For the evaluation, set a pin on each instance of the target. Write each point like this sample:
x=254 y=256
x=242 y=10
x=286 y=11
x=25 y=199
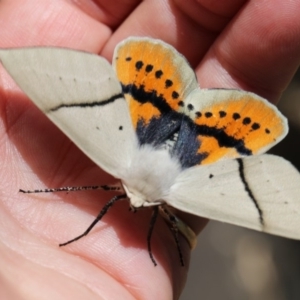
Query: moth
x=145 y=121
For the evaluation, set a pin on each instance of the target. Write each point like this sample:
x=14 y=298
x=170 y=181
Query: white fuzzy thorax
x=150 y=176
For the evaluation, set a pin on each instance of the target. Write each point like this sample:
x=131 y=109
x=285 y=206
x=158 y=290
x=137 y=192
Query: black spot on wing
x=158 y=74
x=138 y=65
x=149 y=68
x=175 y=95
x=236 y=116
x=190 y=106
x=255 y=126
x=246 y=121
x=222 y=114
x=168 y=83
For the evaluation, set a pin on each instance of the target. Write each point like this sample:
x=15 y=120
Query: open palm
x=231 y=44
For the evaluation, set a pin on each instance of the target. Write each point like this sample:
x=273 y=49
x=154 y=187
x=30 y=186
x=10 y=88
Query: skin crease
x=251 y=45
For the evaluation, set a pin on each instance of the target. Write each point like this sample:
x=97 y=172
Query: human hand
x=254 y=47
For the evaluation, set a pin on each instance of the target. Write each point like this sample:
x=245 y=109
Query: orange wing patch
x=213 y=152
x=169 y=110
x=141 y=111
x=245 y=121
x=155 y=78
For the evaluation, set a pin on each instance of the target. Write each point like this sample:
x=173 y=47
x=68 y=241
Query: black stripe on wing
x=159 y=130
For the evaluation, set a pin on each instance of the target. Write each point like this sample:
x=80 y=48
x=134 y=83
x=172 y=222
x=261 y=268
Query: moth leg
x=103 y=211
x=183 y=228
x=172 y=221
x=114 y=187
x=178 y=225
x=151 y=227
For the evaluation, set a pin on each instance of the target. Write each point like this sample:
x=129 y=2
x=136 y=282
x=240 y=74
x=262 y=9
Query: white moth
x=147 y=123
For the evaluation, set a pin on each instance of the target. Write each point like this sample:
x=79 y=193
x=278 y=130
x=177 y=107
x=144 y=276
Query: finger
x=40 y=156
x=259 y=51
x=111 y=13
x=171 y=22
x=56 y=23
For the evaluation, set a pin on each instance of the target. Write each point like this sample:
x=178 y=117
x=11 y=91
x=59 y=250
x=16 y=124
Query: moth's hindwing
x=233 y=123
x=155 y=79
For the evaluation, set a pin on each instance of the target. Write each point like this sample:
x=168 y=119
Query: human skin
x=251 y=45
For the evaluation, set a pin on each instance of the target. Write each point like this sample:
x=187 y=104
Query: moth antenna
x=74 y=189
x=103 y=211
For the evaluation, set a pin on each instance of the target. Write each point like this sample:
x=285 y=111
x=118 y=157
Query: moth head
x=137 y=199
